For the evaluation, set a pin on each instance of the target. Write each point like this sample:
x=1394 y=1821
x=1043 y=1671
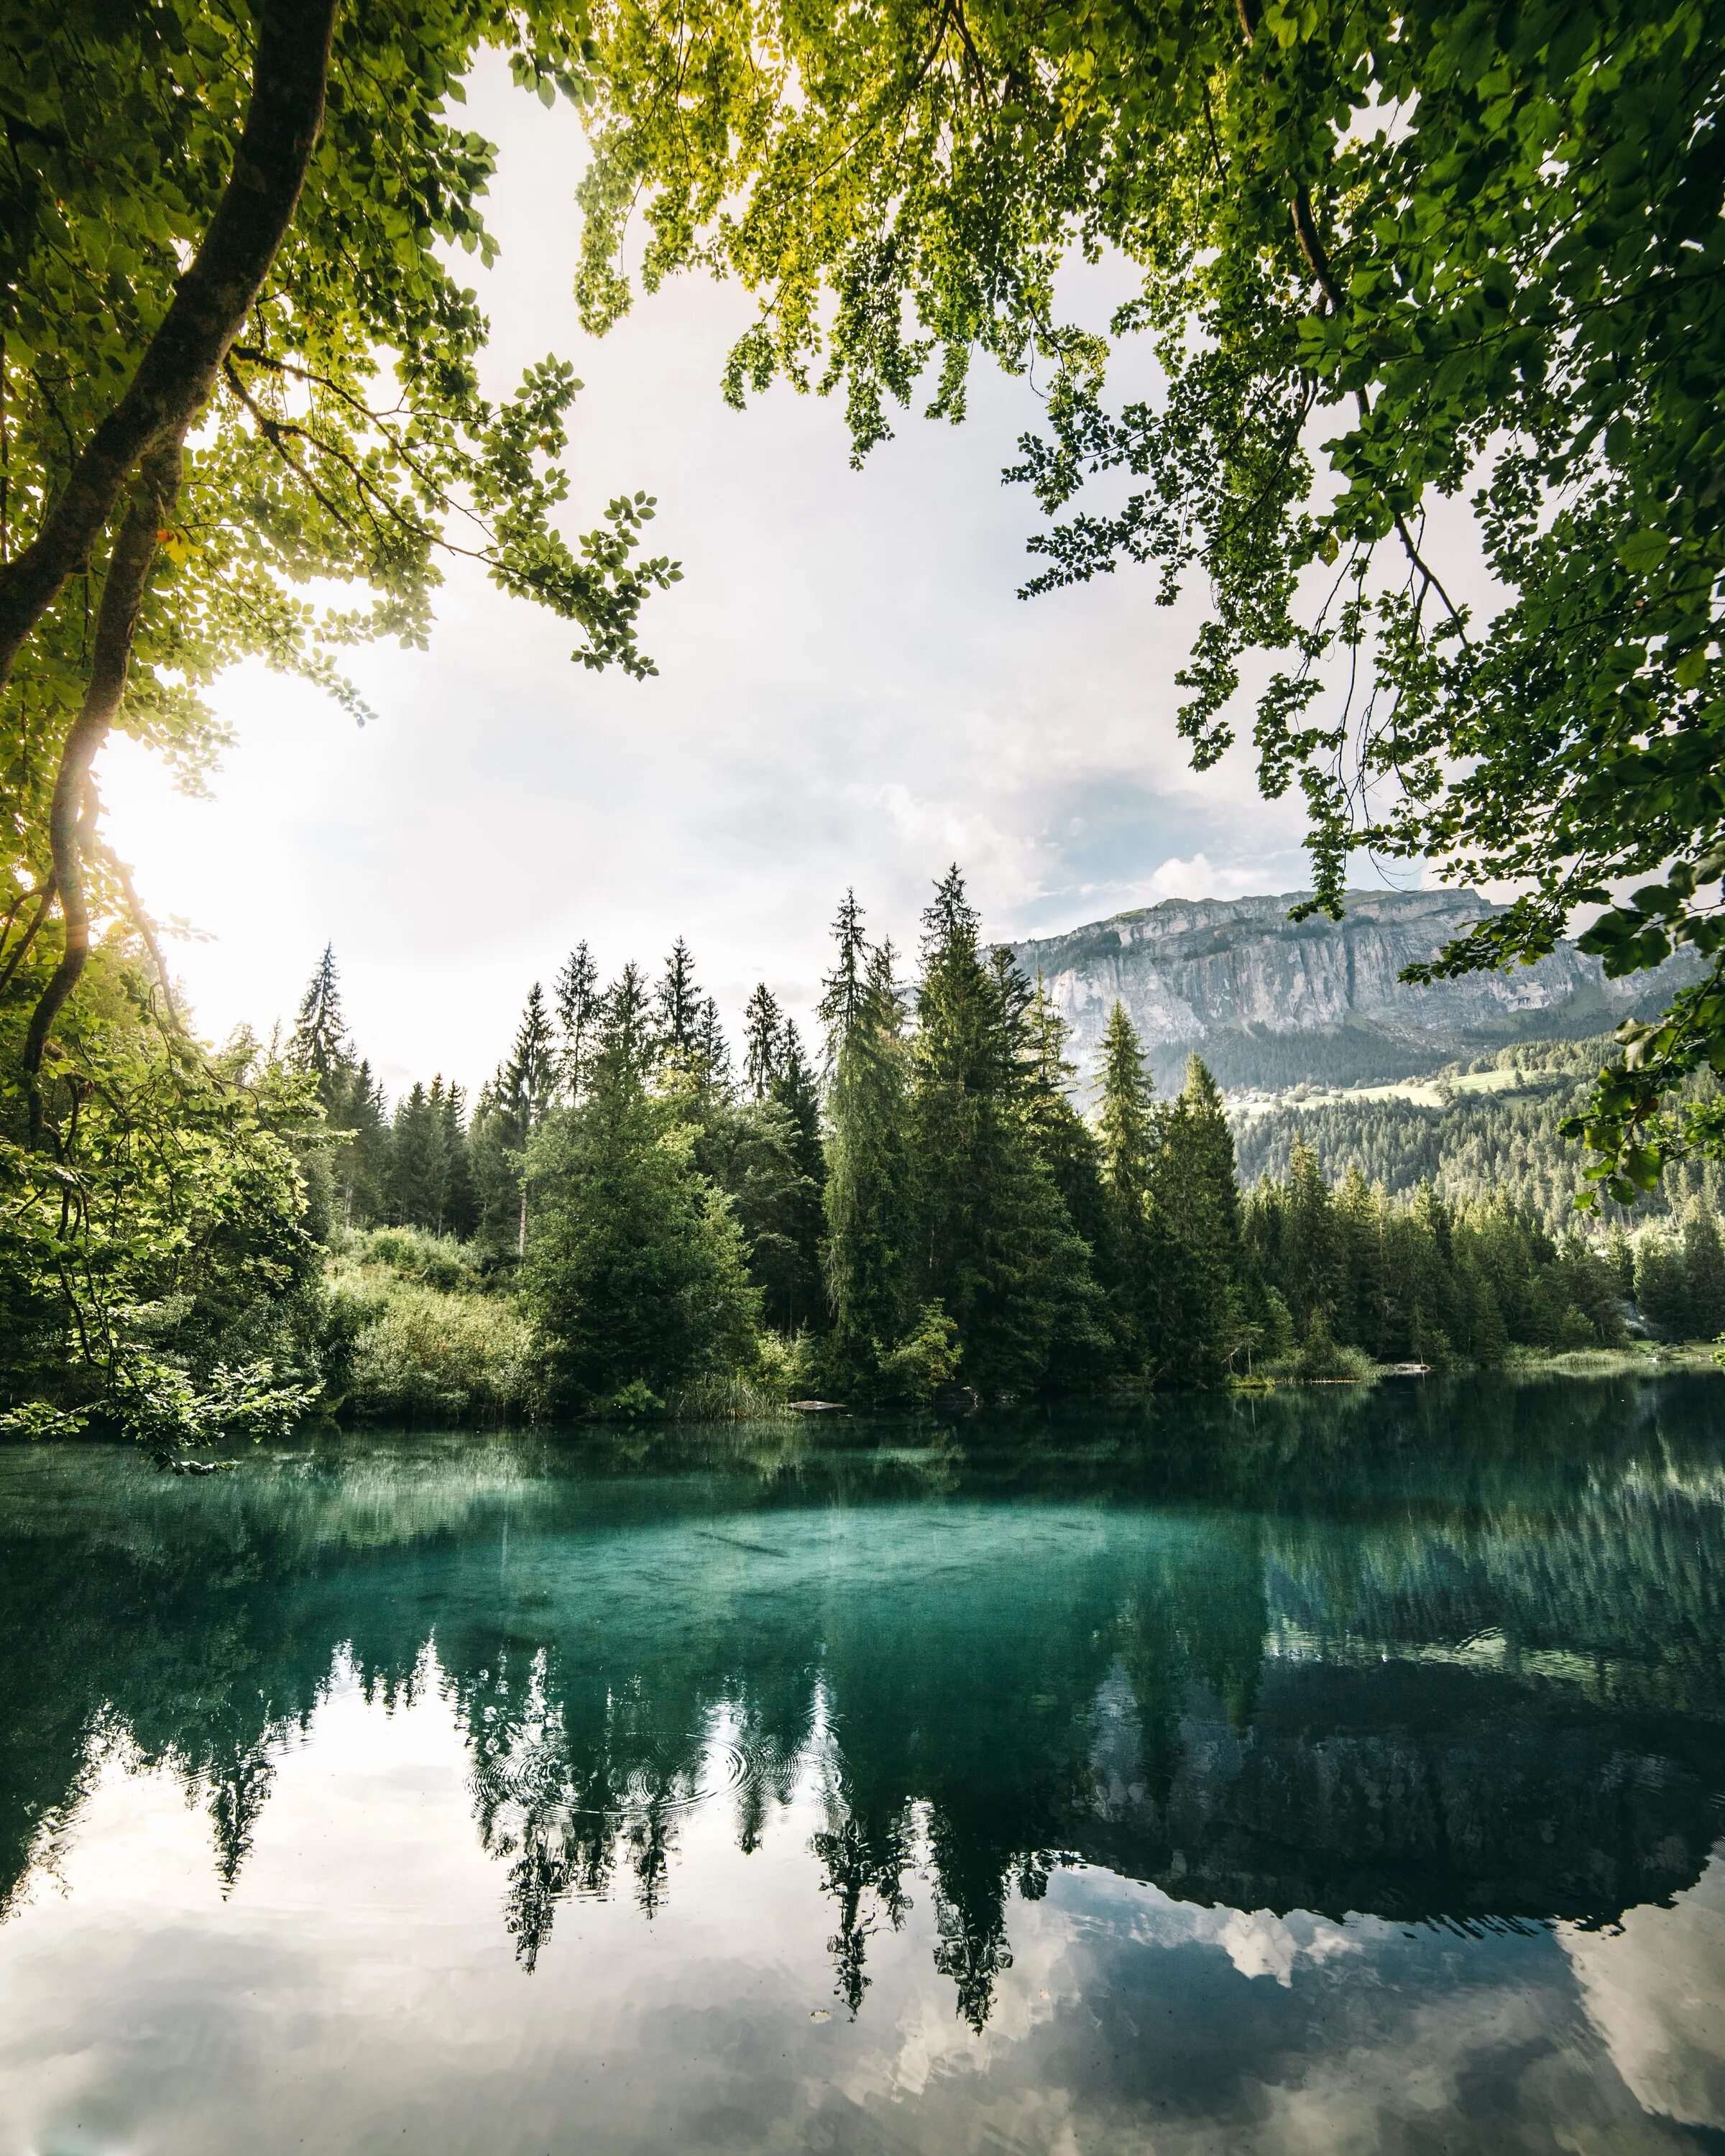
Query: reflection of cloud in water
x=1654 y=1989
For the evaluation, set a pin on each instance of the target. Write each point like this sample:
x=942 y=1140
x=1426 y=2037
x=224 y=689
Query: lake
x=1338 y=1770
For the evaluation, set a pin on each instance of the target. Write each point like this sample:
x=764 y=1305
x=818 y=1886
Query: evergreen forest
x=635 y=1216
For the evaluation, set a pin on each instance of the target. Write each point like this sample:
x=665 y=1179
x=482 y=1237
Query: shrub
x=424 y=1353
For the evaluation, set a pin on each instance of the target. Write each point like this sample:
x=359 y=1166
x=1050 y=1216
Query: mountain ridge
x=1271 y=1002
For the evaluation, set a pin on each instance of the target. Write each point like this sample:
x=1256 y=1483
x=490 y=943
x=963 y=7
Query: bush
x=424 y=1353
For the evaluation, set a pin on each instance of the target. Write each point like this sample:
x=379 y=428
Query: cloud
x=850 y=693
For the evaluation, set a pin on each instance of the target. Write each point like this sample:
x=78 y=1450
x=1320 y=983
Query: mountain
x=1271 y=1003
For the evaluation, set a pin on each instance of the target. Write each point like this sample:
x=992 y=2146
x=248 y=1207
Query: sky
x=849 y=694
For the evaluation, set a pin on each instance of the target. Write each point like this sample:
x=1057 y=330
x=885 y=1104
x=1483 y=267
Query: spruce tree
x=416 y=1171
x=578 y=1011
x=870 y=1223
x=795 y=1093
x=762 y=1042
x=461 y=1208
x=319 y=1042
x=1195 y=1202
x=624 y=1037
x=844 y=989
x=1704 y=1268
x=677 y=1006
x=1128 y=1139
x=636 y=1274
x=996 y=1248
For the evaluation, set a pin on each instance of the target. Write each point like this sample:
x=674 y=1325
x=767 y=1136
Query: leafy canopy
x=344 y=442
x=1394 y=258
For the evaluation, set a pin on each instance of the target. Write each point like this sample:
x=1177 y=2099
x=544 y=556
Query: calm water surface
x=1335 y=1772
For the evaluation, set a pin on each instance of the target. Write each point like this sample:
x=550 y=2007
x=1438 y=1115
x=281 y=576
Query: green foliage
x=159 y=1407
x=230 y=381
x=869 y=1203
x=1393 y=262
x=636 y=1270
x=995 y=1245
x=165 y=1208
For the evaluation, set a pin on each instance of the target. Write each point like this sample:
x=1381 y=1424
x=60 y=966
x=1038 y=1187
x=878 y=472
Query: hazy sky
x=849 y=693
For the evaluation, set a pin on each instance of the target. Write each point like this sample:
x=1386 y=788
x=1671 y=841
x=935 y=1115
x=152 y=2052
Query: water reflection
x=1408 y=1676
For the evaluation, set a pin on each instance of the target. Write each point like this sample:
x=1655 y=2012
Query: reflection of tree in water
x=863 y=1869
x=1192 y=1690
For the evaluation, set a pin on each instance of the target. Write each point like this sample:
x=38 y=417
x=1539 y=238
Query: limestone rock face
x=1272 y=1002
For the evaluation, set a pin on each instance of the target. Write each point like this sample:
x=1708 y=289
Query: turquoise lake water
x=1335 y=1771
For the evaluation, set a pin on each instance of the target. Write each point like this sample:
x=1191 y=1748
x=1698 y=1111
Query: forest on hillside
x=1471 y=1143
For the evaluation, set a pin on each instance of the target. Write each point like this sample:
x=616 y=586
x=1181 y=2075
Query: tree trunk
x=123 y=590
x=179 y=368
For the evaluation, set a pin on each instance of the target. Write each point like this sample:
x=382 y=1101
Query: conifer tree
x=844 y=989
x=677 y=1006
x=1128 y=1139
x=319 y=1042
x=461 y=1208
x=637 y=1274
x=795 y=1093
x=868 y=1201
x=624 y=1036
x=511 y=1108
x=1195 y=1199
x=577 y=1010
x=712 y=1066
x=418 y=1176
x=762 y=1042
x=1704 y=1271
x=996 y=1248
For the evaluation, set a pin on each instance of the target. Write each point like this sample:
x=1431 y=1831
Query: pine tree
x=844 y=989
x=578 y=1009
x=1128 y=1139
x=868 y=1203
x=637 y=1272
x=418 y=1167
x=762 y=1042
x=677 y=1006
x=795 y=1093
x=996 y=1248
x=1704 y=1266
x=512 y=1107
x=319 y=1042
x=1195 y=1204
x=461 y=1208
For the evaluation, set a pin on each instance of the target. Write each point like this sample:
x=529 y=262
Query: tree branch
x=178 y=370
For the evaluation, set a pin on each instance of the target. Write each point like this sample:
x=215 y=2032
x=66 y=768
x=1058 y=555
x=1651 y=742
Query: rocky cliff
x=1271 y=1003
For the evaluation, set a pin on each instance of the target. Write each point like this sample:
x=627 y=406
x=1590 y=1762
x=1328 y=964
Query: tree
x=1128 y=1138
x=1194 y=1198
x=762 y=1042
x=236 y=364
x=635 y=1273
x=844 y=989
x=995 y=1246
x=1704 y=1268
x=1509 y=302
x=511 y=1109
x=319 y=1043
x=578 y=1008
x=869 y=1207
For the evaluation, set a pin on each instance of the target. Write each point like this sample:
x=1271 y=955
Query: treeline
x=1426 y=1279
x=634 y=1215
x=929 y=1210
x=934 y=1208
